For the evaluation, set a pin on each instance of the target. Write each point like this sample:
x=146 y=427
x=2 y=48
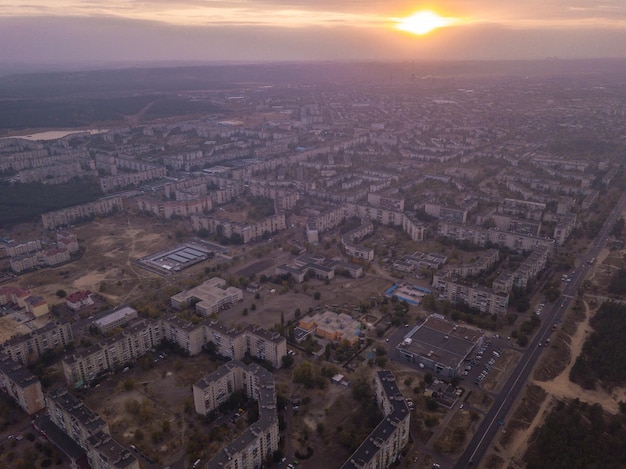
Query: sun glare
x=423 y=22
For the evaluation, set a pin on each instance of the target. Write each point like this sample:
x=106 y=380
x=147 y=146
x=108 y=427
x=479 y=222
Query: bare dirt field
x=136 y=412
x=106 y=266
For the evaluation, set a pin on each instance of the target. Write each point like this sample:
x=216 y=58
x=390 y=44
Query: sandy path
x=519 y=444
x=559 y=388
x=562 y=387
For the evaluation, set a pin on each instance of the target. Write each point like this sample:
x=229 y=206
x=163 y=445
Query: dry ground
x=551 y=376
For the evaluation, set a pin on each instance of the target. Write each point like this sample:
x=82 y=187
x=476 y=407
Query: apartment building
x=23 y=248
x=113 y=183
x=448 y=214
x=175 y=208
x=142 y=335
x=379 y=214
x=188 y=336
x=414 y=228
x=228 y=342
x=486 y=260
x=113 y=353
x=265 y=345
x=481 y=236
x=89 y=431
x=253 y=341
x=21 y=385
x=259 y=440
x=15 y=295
x=27 y=349
x=475 y=296
x=71 y=215
x=383 y=447
x=248 y=231
x=72 y=416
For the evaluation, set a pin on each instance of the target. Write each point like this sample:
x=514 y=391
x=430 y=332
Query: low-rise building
x=439 y=346
x=209 y=297
x=333 y=326
x=115 y=319
x=79 y=300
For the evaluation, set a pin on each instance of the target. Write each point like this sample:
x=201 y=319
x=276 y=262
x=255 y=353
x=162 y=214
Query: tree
x=317 y=295
x=61 y=293
x=287 y=361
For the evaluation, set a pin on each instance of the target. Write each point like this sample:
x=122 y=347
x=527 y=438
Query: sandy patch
x=9 y=327
x=562 y=387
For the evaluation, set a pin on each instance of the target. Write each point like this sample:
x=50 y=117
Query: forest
x=577 y=435
x=21 y=203
x=603 y=357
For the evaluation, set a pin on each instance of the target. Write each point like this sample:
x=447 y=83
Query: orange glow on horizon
x=423 y=22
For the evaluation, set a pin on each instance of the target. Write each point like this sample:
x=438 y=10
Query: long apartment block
x=383 y=446
x=143 y=335
x=259 y=441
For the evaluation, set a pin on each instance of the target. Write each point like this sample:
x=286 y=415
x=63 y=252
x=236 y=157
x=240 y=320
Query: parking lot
x=484 y=360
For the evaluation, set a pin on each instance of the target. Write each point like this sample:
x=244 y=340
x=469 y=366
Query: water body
x=57 y=134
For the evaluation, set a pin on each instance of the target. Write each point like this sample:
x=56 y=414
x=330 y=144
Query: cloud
x=204 y=30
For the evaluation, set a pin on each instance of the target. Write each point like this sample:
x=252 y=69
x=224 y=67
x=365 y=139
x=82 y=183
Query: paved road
x=497 y=415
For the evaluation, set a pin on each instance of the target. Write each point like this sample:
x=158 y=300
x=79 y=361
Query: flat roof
x=441 y=341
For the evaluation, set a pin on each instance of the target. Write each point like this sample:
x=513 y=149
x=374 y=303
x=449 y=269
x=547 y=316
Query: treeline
x=617 y=285
x=603 y=357
x=577 y=435
x=26 y=202
x=71 y=112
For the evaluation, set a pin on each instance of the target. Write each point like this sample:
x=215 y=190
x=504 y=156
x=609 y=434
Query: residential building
x=139 y=336
x=383 y=447
x=257 y=443
x=21 y=385
x=475 y=296
x=27 y=349
x=89 y=431
x=78 y=300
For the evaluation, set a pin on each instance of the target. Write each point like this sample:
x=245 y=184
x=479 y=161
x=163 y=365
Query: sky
x=141 y=31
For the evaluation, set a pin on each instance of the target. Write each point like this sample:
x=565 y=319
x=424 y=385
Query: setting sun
x=423 y=22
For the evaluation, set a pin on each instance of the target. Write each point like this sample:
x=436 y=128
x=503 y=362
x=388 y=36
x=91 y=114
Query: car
x=290 y=466
x=461 y=406
x=540 y=344
x=387 y=339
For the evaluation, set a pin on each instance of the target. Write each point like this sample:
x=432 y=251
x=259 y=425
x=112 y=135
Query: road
x=497 y=415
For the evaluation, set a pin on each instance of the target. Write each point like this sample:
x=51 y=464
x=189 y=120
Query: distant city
x=329 y=272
